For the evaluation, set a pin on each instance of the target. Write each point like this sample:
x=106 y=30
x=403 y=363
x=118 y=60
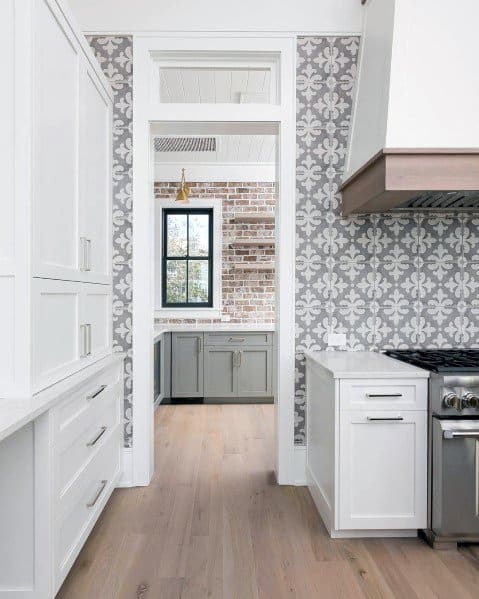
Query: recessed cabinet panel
x=254 y=372
x=220 y=372
x=96 y=317
x=56 y=339
x=382 y=470
x=94 y=181
x=187 y=365
x=55 y=149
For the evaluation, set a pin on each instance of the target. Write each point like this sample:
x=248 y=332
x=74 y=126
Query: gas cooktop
x=439 y=360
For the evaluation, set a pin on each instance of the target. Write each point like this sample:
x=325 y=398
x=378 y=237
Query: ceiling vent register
x=185 y=144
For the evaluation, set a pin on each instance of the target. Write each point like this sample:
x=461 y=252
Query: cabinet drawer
x=79 y=443
x=239 y=339
x=77 y=511
x=71 y=414
x=383 y=394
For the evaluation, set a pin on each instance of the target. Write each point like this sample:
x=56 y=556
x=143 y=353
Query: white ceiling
x=215 y=85
x=253 y=149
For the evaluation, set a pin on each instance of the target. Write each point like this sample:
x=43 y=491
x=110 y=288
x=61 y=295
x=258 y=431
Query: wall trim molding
x=126 y=477
x=300 y=465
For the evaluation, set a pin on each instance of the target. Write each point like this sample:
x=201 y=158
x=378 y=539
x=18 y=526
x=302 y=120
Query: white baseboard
x=300 y=465
x=126 y=478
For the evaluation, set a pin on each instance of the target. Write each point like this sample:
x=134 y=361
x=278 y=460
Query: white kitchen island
x=366 y=461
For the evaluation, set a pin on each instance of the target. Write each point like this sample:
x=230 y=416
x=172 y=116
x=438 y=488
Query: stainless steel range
x=453 y=473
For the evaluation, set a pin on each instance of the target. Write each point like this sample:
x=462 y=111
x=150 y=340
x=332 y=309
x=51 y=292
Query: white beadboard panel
x=7 y=326
x=7 y=101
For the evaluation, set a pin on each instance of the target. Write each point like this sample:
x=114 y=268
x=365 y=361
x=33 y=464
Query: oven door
x=455 y=478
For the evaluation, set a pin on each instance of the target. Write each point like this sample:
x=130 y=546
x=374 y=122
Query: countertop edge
x=401 y=370
x=22 y=411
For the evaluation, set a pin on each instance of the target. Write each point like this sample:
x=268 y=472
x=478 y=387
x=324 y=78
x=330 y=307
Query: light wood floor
x=213 y=524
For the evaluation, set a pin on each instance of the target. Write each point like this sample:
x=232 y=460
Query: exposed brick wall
x=248 y=297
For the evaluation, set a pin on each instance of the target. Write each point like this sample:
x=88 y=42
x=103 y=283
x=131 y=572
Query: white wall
x=343 y=16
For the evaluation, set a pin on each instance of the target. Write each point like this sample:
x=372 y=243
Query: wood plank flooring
x=213 y=524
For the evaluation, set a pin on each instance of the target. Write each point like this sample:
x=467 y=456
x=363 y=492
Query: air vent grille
x=443 y=200
x=185 y=144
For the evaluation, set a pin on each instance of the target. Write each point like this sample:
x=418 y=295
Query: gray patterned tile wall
x=115 y=55
x=387 y=281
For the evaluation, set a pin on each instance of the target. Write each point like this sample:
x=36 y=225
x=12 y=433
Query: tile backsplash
x=247 y=297
x=386 y=281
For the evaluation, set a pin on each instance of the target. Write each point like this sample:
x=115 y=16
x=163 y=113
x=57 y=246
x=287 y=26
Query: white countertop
x=16 y=413
x=219 y=327
x=364 y=364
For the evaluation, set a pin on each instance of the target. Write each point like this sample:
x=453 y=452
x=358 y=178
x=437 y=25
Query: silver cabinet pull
x=240 y=356
x=200 y=345
x=88 y=254
x=97 y=392
x=95 y=440
x=233 y=357
x=461 y=434
x=385 y=418
x=88 y=339
x=83 y=341
x=383 y=394
x=97 y=494
x=237 y=339
x=85 y=260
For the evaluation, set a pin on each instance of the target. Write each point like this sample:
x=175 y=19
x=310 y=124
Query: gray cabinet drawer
x=239 y=339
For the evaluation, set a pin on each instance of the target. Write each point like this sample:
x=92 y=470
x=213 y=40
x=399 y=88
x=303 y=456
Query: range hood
x=414 y=142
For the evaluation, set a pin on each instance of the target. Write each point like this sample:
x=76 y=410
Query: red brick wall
x=248 y=297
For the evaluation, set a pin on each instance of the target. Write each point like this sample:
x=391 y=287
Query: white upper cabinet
x=94 y=180
x=55 y=231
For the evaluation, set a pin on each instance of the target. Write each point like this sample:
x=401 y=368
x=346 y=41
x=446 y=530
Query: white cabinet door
x=56 y=343
x=382 y=470
x=55 y=249
x=96 y=320
x=94 y=181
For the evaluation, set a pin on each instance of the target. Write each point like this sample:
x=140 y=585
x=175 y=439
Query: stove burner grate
x=439 y=360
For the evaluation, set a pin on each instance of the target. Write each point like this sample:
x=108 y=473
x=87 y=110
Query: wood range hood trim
x=393 y=176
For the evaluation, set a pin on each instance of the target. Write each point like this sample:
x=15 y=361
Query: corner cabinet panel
x=187 y=365
x=96 y=308
x=55 y=149
x=382 y=466
x=56 y=330
x=255 y=377
x=95 y=235
x=220 y=372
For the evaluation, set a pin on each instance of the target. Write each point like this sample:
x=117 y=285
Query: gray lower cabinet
x=254 y=372
x=187 y=365
x=220 y=372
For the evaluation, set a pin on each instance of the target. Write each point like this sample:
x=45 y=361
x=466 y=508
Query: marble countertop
x=219 y=327
x=16 y=413
x=364 y=364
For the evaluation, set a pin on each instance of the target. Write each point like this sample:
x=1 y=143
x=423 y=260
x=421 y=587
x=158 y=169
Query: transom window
x=187 y=260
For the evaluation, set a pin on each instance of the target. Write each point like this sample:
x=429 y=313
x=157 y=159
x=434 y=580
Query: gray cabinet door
x=220 y=372
x=254 y=368
x=187 y=365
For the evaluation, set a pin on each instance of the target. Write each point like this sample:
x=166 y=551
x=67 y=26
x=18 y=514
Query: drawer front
x=239 y=339
x=78 y=444
x=383 y=394
x=73 y=412
x=77 y=511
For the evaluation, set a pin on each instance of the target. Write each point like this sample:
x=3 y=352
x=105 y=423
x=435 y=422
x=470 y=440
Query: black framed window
x=187 y=258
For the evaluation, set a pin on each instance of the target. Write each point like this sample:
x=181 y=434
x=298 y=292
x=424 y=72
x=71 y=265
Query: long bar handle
x=385 y=418
x=83 y=341
x=100 y=390
x=98 y=493
x=95 y=440
x=88 y=337
x=237 y=339
x=461 y=435
x=383 y=394
x=240 y=353
x=200 y=345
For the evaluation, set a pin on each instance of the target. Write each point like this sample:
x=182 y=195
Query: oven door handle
x=448 y=434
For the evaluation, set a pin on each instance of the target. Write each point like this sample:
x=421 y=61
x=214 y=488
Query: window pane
x=176 y=234
x=198 y=281
x=199 y=238
x=176 y=282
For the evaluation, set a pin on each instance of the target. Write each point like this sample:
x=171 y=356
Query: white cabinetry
x=367 y=448
x=56 y=219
